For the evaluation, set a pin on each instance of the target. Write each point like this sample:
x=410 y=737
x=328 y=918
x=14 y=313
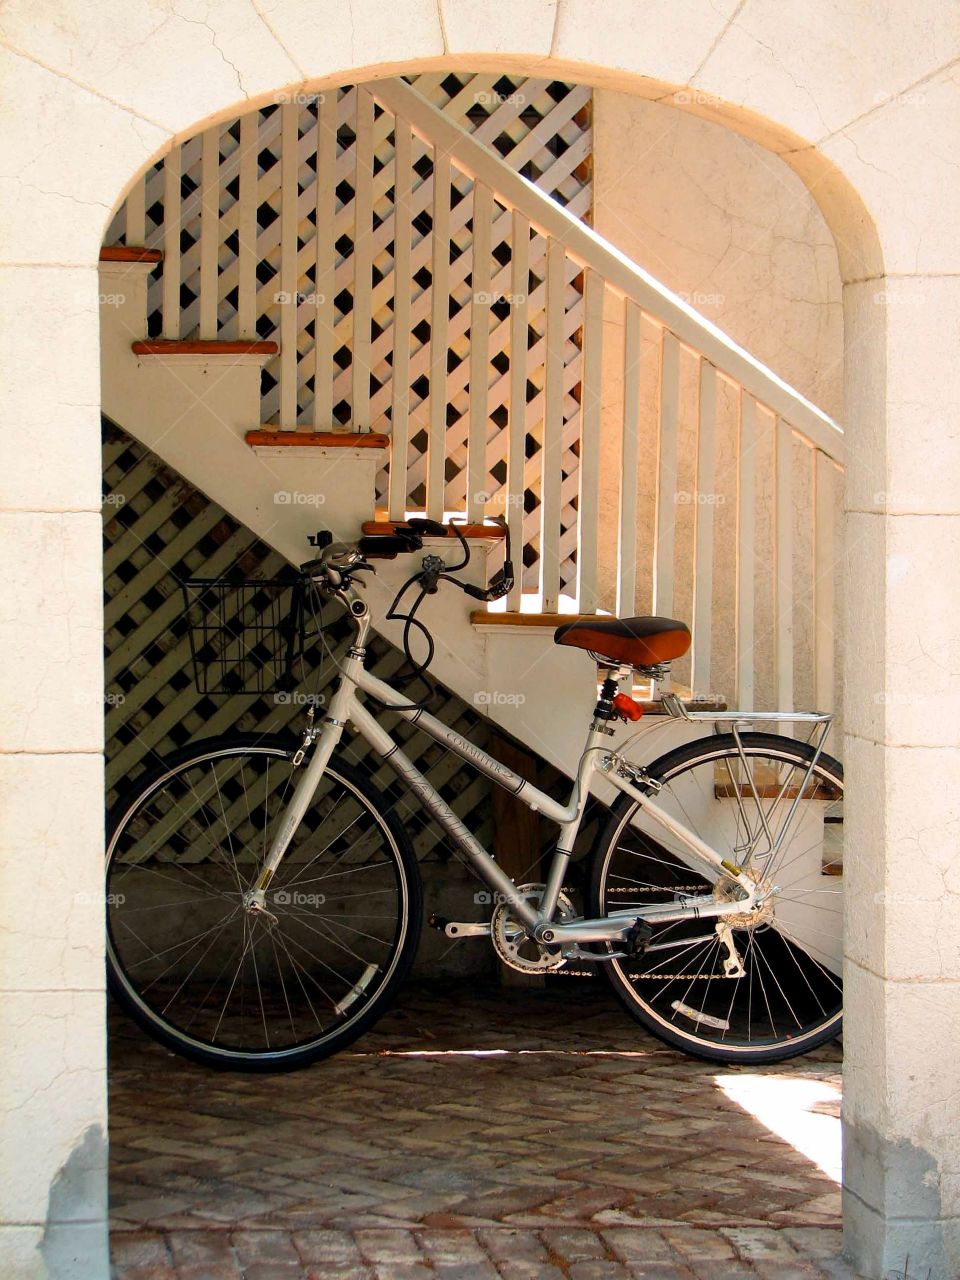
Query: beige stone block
x=50 y=436
x=816 y=67
x=864 y=674
x=51 y=871
x=172 y=65
x=901 y=159
x=51 y=632
x=865 y=407
x=664 y=39
x=921 y=690
x=524 y=26
x=67 y=155
x=923 y=393
x=901 y=879
x=54 y=1106
x=325 y=39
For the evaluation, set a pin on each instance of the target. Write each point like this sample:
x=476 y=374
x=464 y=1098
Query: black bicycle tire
x=661 y=770
x=303 y=1056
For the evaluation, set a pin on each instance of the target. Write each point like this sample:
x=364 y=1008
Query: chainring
x=510 y=940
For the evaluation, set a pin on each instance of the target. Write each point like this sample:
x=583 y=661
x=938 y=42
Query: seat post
x=604 y=710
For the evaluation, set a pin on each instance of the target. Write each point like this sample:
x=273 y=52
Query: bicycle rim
x=224 y=984
x=768 y=988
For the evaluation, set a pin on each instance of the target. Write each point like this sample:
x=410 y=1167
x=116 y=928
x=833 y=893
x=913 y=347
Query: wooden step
x=202 y=347
x=380 y=527
x=129 y=253
x=485 y=618
x=317 y=439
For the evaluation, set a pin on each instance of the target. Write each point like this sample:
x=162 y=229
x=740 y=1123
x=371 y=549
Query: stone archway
x=89 y=102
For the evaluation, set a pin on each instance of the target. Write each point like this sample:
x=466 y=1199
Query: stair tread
x=484 y=617
x=202 y=347
x=383 y=526
x=129 y=253
x=318 y=439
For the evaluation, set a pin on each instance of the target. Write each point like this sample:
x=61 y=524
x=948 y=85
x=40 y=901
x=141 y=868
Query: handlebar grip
x=428 y=528
x=387 y=546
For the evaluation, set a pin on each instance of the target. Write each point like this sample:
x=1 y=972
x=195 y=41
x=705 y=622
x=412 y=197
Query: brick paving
x=476 y=1134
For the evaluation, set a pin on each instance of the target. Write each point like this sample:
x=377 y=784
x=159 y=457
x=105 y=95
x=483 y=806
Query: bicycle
x=264 y=901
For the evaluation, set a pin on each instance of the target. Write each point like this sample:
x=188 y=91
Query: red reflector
x=625 y=706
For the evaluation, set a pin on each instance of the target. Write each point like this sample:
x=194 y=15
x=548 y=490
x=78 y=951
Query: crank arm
x=460 y=928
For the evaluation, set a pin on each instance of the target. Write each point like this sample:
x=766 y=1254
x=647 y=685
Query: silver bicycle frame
x=597 y=757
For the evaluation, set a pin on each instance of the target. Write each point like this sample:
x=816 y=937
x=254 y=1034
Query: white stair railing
x=792 y=421
x=473 y=334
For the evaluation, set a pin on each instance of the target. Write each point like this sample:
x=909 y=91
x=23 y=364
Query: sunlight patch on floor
x=798 y=1111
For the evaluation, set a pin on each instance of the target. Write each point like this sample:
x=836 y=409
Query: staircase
x=346 y=309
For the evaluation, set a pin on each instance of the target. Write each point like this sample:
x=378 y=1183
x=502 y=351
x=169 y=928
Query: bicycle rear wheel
x=788 y=998
x=245 y=990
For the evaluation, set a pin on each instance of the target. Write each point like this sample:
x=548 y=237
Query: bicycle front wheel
x=245 y=989
x=769 y=987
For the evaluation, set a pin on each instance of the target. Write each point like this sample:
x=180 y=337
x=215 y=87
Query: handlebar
x=339 y=560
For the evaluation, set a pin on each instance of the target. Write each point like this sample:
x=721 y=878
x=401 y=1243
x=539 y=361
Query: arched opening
x=95 y=144
x=226 y=321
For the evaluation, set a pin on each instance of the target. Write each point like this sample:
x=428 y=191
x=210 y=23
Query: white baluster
x=663 y=580
x=362 y=262
x=703 y=538
x=247 y=227
x=324 y=340
x=289 y=276
x=588 y=505
x=551 y=476
x=209 y=231
x=440 y=302
x=517 y=426
x=479 y=354
x=402 y=290
x=629 y=465
x=171 y=244
x=746 y=551
x=783 y=567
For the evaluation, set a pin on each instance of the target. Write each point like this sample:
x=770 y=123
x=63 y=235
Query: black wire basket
x=246 y=634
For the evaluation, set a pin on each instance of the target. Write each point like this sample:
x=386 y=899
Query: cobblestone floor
x=516 y=1134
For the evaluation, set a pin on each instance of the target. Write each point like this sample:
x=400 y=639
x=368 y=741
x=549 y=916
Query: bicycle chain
x=646 y=977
